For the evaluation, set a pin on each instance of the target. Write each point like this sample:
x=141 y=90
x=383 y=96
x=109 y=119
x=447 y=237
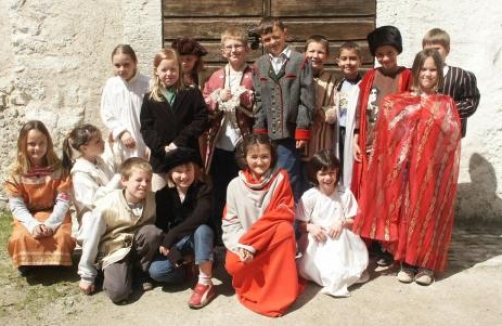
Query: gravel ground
x=469 y=293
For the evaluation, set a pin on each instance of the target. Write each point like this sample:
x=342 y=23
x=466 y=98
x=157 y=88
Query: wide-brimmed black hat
x=385 y=35
x=179 y=156
x=186 y=45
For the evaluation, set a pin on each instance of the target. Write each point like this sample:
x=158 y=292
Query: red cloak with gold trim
x=412 y=173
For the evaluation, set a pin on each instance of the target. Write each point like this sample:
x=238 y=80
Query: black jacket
x=177 y=219
x=182 y=123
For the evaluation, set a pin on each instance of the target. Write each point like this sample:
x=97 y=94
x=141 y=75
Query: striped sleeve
x=469 y=97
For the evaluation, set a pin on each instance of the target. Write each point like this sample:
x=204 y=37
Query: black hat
x=186 y=45
x=179 y=156
x=385 y=35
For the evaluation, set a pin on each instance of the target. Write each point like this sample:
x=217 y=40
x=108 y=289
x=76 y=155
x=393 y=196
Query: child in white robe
x=332 y=256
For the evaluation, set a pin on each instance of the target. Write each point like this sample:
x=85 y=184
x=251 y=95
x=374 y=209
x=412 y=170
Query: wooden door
x=204 y=20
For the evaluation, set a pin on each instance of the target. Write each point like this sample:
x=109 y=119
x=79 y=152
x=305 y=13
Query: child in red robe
x=258 y=232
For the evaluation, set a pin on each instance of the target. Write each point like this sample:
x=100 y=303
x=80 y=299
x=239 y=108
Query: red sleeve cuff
x=260 y=131
x=302 y=134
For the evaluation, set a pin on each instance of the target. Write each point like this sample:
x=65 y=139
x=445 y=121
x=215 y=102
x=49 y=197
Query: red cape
x=404 y=84
x=269 y=285
x=411 y=179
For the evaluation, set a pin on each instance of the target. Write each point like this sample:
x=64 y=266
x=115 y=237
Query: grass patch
x=46 y=289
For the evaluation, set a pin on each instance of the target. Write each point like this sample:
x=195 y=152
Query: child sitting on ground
x=122 y=238
x=332 y=256
x=93 y=174
x=183 y=211
x=39 y=197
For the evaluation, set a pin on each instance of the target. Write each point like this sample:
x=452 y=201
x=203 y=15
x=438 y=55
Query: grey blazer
x=284 y=101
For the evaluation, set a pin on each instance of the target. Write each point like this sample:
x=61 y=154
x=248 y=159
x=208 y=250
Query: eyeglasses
x=229 y=48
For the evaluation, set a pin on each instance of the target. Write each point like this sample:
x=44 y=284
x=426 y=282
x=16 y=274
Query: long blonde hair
x=157 y=86
x=22 y=164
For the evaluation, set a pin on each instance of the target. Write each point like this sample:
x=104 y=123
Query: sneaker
x=201 y=296
x=424 y=277
x=147 y=285
x=406 y=274
x=385 y=259
x=144 y=282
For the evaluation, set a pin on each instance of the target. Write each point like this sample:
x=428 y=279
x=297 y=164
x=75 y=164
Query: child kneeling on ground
x=258 y=232
x=121 y=237
x=332 y=256
x=184 y=207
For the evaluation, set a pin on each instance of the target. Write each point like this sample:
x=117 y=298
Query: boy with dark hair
x=284 y=97
x=385 y=45
x=346 y=95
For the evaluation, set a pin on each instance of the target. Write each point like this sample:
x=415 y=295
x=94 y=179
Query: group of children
x=234 y=159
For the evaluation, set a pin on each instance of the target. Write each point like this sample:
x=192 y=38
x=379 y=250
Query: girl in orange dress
x=38 y=190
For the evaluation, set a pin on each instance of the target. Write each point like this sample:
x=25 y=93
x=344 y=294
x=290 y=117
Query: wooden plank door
x=204 y=20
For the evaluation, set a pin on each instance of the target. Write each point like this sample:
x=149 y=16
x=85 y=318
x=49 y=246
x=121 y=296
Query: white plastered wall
x=475 y=29
x=55 y=59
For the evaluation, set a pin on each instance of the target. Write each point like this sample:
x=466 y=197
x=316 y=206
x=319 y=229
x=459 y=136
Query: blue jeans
x=288 y=158
x=200 y=242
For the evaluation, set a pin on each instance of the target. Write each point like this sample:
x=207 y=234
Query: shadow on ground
x=472 y=245
x=50 y=275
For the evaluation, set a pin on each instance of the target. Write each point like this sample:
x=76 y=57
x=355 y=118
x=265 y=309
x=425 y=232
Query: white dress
x=120 y=108
x=335 y=264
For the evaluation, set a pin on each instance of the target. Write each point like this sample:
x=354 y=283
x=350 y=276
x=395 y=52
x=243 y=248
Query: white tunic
x=351 y=97
x=91 y=182
x=337 y=263
x=120 y=108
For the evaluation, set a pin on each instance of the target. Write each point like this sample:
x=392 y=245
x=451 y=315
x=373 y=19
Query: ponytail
x=80 y=135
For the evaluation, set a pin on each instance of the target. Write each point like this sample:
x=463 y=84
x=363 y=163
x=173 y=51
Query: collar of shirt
x=445 y=70
x=285 y=54
x=278 y=61
x=132 y=80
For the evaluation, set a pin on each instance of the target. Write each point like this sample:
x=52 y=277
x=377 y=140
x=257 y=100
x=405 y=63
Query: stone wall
x=56 y=57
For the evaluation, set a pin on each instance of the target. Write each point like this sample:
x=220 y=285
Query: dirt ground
x=469 y=293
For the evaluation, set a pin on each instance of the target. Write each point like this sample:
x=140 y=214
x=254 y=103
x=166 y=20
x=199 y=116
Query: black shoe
x=143 y=282
x=385 y=259
x=24 y=270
